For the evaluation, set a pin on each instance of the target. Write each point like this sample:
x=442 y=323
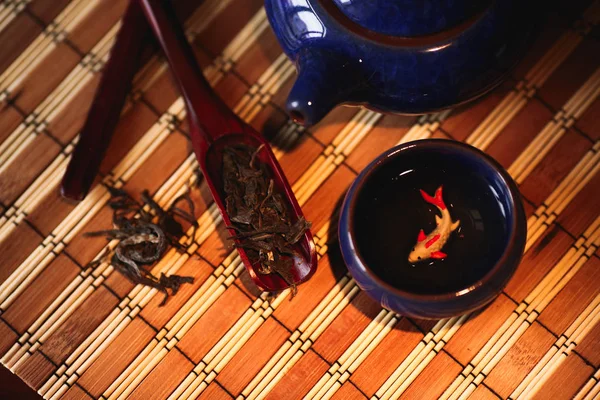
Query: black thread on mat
x=44 y=26
x=582 y=385
x=556 y=346
x=39 y=232
x=172 y=122
x=573 y=127
x=585 y=360
x=11 y=103
x=6 y=93
x=84 y=390
x=25 y=213
x=491 y=390
x=12 y=328
x=223 y=387
x=47 y=358
x=307 y=340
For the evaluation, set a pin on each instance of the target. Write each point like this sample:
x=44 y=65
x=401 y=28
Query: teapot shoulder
x=402 y=74
x=410 y=18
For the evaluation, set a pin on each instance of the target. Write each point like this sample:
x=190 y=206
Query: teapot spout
x=324 y=81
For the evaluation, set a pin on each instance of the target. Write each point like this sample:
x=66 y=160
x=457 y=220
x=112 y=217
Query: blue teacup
x=430 y=253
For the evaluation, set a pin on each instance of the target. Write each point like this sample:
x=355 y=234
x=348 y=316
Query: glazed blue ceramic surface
x=435 y=304
x=409 y=17
x=405 y=56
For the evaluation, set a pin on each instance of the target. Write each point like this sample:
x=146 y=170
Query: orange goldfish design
x=430 y=246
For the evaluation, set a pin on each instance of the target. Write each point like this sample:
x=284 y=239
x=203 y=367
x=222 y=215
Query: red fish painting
x=430 y=246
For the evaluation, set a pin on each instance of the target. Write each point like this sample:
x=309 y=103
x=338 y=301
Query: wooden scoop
x=213 y=126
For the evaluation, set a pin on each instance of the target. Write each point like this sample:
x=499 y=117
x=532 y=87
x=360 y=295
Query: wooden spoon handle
x=209 y=117
x=107 y=104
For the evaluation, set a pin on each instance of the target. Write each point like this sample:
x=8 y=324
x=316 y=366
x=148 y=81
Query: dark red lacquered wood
x=214 y=126
x=107 y=104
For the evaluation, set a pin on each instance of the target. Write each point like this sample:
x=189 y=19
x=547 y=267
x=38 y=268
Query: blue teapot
x=402 y=56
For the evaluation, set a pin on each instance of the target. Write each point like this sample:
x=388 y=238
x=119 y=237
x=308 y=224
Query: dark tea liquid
x=391 y=211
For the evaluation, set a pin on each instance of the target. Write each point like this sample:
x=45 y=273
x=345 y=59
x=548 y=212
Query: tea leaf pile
x=143 y=238
x=259 y=214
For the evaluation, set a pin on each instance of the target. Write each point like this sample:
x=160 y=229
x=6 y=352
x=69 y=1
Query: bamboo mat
x=79 y=333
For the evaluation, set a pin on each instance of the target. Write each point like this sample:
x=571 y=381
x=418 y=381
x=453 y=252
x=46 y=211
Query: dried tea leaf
x=143 y=242
x=297 y=230
x=259 y=214
x=283 y=267
x=173 y=282
x=255 y=155
x=244 y=215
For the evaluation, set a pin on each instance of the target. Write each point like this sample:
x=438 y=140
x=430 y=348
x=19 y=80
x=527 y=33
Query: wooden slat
x=346 y=327
x=211 y=327
x=116 y=357
x=348 y=391
x=517 y=134
x=292 y=313
x=461 y=123
x=79 y=325
x=214 y=391
x=581 y=211
x=433 y=379
x=7 y=336
x=252 y=357
x=164 y=377
x=558 y=355
x=157 y=315
x=519 y=360
x=571 y=74
x=15 y=178
x=15 y=248
x=572 y=300
x=536 y=264
x=588 y=347
x=96 y=24
x=553 y=167
x=588 y=122
x=566 y=381
x=300 y=378
x=394 y=348
x=16 y=32
x=10 y=10
x=35 y=371
x=388 y=132
x=76 y=393
x=478 y=329
x=46 y=11
x=43 y=291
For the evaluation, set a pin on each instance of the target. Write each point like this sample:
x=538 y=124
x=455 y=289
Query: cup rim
x=384 y=158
